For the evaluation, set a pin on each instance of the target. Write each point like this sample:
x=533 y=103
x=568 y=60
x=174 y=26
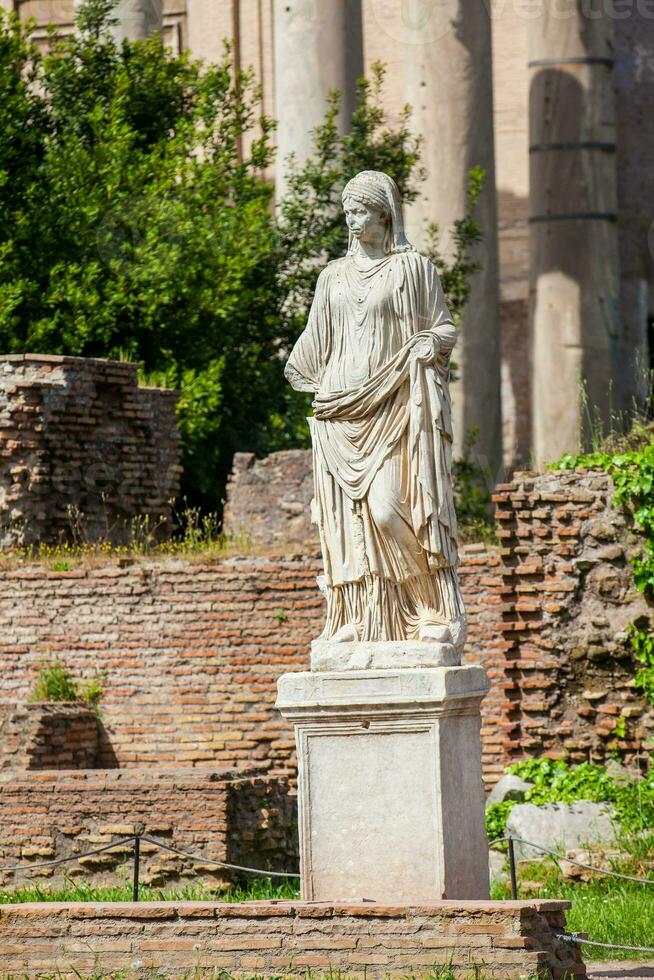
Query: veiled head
x=374 y=198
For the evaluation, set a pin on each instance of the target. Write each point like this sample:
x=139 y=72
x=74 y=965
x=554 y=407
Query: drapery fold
x=360 y=420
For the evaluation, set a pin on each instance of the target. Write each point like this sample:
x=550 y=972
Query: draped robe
x=382 y=437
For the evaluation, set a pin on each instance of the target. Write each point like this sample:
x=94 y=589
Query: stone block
x=389 y=783
x=509 y=787
x=371 y=655
x=559 y=827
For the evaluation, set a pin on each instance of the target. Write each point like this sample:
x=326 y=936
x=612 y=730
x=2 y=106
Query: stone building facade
x=553 y=100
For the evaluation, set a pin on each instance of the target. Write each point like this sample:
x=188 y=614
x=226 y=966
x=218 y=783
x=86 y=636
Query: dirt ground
x=620 y=970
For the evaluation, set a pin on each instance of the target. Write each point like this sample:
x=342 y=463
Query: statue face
x=366 y=223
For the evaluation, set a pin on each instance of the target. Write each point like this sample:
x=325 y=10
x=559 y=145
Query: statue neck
x=369 y=250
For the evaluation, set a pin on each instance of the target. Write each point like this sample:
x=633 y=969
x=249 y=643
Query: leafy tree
x=138 y=232
x=132 y=226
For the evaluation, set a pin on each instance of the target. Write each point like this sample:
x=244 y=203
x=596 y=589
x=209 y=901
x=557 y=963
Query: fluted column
x=574 y=275
x=449 y=83
x=137 y=19
x=318 y=47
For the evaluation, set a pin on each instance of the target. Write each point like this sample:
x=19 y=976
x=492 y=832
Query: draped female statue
x=376 y=352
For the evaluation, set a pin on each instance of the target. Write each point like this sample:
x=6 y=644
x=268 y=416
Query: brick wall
x=48 y=736
x=568 y=596
x=193 y=650
x=212 y=813
x=510 y=939
x=83 y=448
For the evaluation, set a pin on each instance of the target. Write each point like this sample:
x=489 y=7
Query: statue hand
x=425 y=349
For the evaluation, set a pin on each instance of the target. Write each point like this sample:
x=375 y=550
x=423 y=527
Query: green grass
x=609 y=910
x=78 y=891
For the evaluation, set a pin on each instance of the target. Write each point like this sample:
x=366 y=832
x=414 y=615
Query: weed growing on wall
x=642 y=645
x=54 y=682
x=632 y=473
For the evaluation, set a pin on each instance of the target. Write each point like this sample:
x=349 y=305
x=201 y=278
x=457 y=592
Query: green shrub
x=472 y=495
x=554 y=781
x=132 y=226
x=54 y=682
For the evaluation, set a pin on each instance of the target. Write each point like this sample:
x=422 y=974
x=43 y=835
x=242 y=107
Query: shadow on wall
x=106 y=758
x=580 y=338
x=513 y=211
x=263 y=815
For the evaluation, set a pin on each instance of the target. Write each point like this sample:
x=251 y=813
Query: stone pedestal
x=391 y=802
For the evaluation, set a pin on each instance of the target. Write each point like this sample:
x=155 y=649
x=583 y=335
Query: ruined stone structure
x=215 y=814
x=58 y=735
x=511 y=939
x=568 y=597
x=598 y=69
x=85 y=451
x=269 y=502
x=193 y=648
x=192 y=651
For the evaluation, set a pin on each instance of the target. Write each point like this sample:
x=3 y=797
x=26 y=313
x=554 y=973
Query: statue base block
x=374 y=655
x=391 y=801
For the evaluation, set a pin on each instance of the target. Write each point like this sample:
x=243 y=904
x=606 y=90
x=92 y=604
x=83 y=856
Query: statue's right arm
x=305 y=365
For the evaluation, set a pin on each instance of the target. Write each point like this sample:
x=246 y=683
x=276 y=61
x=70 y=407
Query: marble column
x=317 y=47
x=449 y=84
x=137 y=19
x=574 y=265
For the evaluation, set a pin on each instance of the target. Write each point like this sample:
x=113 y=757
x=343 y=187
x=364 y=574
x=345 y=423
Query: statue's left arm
x=434 y=322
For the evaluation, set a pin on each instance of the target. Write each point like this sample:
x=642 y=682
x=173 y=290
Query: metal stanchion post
x=137 y=867
x=514 y=877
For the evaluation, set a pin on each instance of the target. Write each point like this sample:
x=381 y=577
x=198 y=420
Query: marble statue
x=376 y=353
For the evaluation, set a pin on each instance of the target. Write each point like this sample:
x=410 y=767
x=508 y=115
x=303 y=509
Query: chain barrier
x=136 y=839
x=573 y=937
x=561 y=857
x=222 y=864
x=135 y=843
x=75 y=857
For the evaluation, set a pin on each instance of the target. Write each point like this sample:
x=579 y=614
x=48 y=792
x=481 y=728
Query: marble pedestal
x=391 y=802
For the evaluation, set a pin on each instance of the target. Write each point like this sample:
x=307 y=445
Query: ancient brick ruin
x=568 y=596
x=41 y=736
x=215 y=814
x=85 y=451
x=292 y=938
x=192 y=649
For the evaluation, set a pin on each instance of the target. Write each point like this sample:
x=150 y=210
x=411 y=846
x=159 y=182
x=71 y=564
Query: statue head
x=378 y=193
